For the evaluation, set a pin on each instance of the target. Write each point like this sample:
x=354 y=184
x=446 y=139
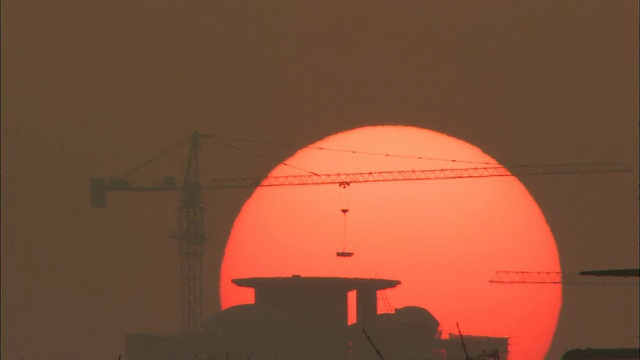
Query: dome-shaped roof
x=416 y=314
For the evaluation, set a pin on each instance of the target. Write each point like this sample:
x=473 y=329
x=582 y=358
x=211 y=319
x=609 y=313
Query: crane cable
x=234 y=147
x=355 y=151
x=154 y=158
x=217 y=139
x=344 y=209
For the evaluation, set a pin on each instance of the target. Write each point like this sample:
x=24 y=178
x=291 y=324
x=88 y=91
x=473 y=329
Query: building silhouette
x=602 y=354
x=306 y=318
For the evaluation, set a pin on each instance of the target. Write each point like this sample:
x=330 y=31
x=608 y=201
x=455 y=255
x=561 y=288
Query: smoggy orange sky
x=93 y=88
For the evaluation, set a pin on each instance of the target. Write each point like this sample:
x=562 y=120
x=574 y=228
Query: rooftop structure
x=318 y=300
x=307 y=318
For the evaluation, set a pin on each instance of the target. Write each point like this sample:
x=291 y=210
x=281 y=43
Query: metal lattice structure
x=527 y=277
x=369 y=177
x=190 y=234
x=191 y=237
x=566 y=278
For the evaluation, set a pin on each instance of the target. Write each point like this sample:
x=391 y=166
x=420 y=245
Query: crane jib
x=99 y=186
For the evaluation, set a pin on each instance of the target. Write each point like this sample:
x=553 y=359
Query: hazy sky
x=91 y=88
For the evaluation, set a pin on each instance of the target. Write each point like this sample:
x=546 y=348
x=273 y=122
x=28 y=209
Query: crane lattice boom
x=169 y=184
x=564 y=278
x=527 y=277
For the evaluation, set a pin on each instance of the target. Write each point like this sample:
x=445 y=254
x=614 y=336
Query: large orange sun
x=443 y=239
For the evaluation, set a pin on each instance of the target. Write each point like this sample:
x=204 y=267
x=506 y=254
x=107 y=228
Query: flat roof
x=341 y=283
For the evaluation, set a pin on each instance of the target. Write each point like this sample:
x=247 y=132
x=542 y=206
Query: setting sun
x=443 y=239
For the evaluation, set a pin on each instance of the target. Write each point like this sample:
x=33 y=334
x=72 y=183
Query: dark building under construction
x=306 y=318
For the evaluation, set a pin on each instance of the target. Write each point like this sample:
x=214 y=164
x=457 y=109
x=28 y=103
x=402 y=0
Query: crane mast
x=191 y=238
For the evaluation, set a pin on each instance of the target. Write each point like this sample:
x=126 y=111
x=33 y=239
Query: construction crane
x=557 y=277
x=526 y=277
x=613 y=272
x=191 y=233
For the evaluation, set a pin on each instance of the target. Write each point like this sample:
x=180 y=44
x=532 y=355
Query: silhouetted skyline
x=307 y=318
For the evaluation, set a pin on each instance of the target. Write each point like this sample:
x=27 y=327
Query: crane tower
x=191 y=238
x=190 y=233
